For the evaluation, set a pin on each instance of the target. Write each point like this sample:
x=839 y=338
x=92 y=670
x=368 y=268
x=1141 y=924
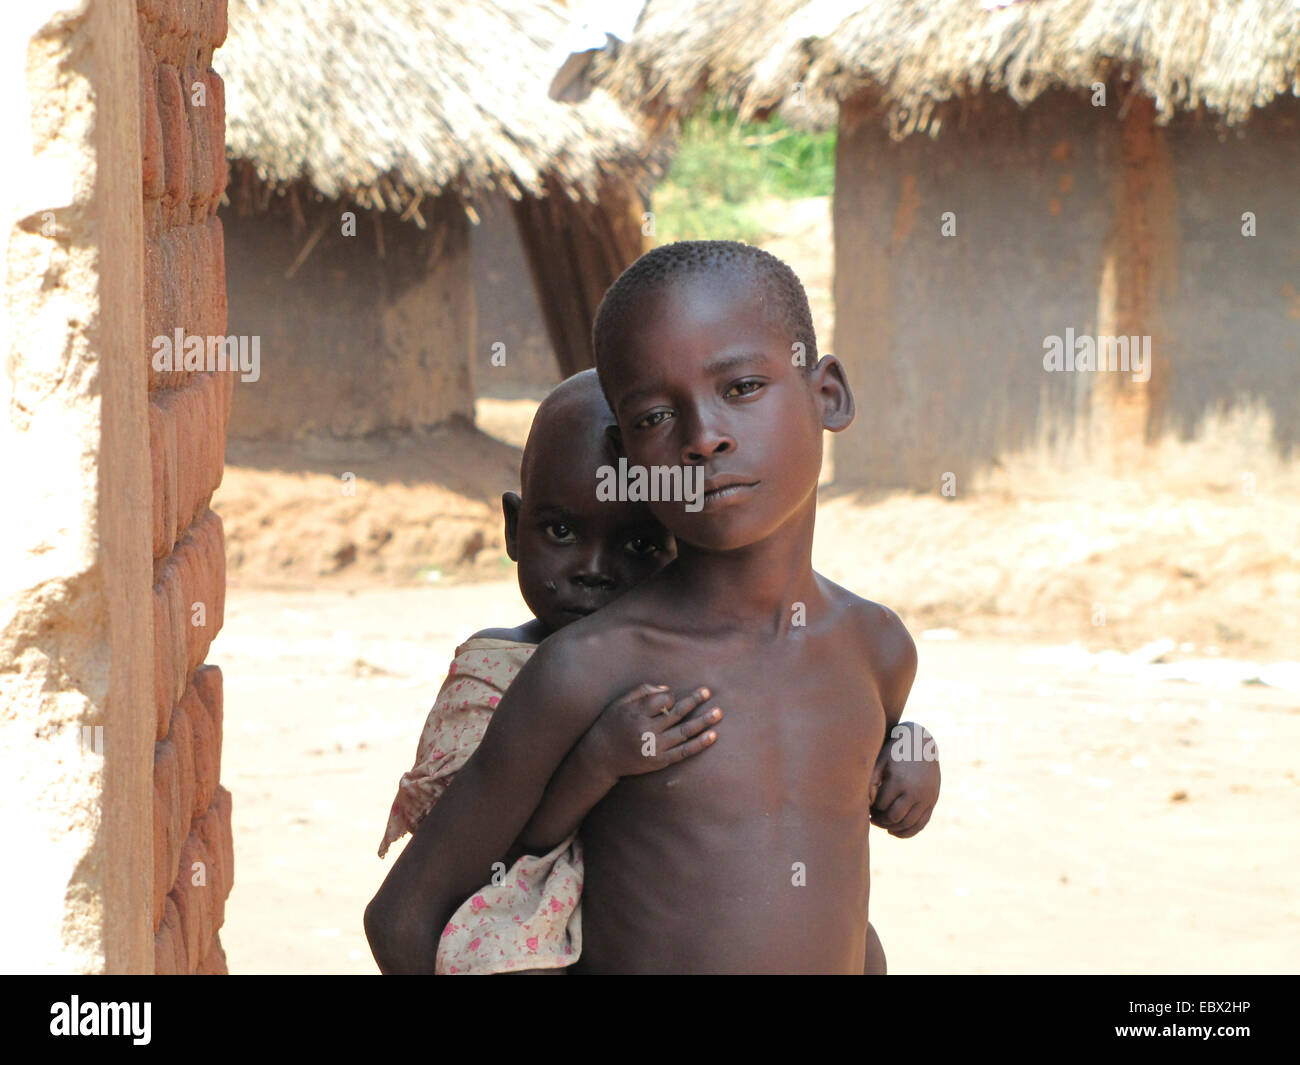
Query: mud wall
x=75 y=728
x=507 y=311
x=1233 y=315
x=364 y=323
x=114 y=574
x=942 y=335
x=1062 y=216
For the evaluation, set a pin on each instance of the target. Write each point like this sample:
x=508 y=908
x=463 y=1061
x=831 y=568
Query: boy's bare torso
x=752 y=858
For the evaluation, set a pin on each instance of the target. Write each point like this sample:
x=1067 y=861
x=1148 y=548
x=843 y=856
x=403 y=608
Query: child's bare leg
x=875 y=954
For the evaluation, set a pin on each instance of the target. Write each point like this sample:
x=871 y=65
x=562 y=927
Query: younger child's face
x=702 y=379
x=576 y=553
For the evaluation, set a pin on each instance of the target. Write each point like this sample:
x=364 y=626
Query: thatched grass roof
x=389 y=100
x=683 y=49
x=1229 y=56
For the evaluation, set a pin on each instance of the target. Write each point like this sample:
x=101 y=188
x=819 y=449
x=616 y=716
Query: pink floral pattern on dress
x=531 y=919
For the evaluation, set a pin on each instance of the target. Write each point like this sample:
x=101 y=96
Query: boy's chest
x=801 y=729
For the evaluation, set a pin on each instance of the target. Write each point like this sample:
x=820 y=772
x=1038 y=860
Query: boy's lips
x=727 y=486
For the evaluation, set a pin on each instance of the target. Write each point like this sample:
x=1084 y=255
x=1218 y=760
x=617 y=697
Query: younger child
x=574 y=555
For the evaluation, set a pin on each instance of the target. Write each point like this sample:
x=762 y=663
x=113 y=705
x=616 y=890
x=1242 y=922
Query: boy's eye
x=641 y=546
x=652 y=419
x=559 y=532
x=744 y=388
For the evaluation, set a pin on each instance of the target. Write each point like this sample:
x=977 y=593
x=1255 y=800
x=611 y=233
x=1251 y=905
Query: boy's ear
x=614 y=437
x=831 y=387
x=510 y=504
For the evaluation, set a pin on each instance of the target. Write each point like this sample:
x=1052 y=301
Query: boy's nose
x=705 y=441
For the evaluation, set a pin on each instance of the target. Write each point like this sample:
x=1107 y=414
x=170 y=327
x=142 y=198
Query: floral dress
x=528 y=917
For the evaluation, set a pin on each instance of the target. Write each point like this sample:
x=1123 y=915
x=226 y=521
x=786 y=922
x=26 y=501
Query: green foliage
x=725 y=170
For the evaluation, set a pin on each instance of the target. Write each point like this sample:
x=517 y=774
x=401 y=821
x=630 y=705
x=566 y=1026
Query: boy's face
x=701 y=379
x=576 y=553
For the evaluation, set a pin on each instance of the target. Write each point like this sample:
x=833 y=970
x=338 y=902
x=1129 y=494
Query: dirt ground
x=1093 y=818
x=1179 y=550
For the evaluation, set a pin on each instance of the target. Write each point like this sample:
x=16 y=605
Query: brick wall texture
x=182 y=123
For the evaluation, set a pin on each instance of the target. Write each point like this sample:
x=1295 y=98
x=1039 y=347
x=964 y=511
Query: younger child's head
x=576 y=553
x=707 y=356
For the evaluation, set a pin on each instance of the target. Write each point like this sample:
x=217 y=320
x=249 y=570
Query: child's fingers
x=667 y=716
x=909 y=819
x=888 y=794
x=686 y=750
x=874 y=785
x=669 y=739
x=893 y=813
x=650 y=698
x=912 y=823
x=911 y=831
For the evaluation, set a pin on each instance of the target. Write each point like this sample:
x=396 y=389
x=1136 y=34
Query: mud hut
x=360 y=137
x=1015 y=177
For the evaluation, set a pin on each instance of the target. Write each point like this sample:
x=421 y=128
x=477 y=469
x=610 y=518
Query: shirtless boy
x=752 y=857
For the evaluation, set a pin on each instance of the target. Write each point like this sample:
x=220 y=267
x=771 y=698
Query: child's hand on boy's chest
x=645 y=729
x=793 y=736
x=905 y=783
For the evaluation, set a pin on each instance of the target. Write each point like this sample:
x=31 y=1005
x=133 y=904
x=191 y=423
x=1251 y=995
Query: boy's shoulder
x=880 y=633
x=587 y=639
x=574 y=659
x=568 y=677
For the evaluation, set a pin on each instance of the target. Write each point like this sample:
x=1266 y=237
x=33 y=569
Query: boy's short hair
x=780 y=291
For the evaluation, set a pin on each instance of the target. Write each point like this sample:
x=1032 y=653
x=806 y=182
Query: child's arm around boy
x=527 y=740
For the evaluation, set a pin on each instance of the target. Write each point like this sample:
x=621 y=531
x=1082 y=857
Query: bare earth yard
x=1090 y=821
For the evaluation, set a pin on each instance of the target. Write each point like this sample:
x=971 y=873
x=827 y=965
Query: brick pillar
x=182 y=116
x=76 y=724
